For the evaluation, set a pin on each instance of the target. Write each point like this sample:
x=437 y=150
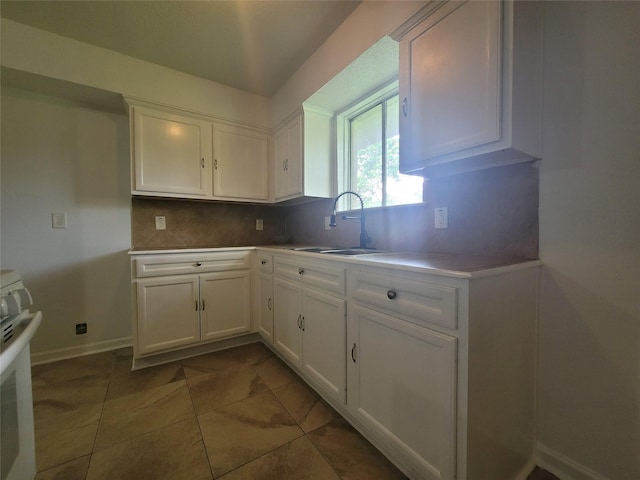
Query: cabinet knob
x=202 y=162
x=353 y=352
x=269 y=304
x=263 y=262
x=391 y=294
x=302 y=324
x=215 y=164
x=299 y=322
x=405 y=106
x=198 y=264
x=301 y=271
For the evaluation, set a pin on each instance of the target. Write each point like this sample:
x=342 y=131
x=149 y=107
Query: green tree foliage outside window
x=376 y=169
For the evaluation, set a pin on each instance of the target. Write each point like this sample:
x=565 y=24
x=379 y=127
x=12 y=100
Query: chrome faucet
x=364 y=237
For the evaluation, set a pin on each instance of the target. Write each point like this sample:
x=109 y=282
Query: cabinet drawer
x=325 y=276
x=420 y=302
x=169 y=264
x=265 y=262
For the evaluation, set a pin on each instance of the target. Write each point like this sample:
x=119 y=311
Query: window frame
x=346 y=170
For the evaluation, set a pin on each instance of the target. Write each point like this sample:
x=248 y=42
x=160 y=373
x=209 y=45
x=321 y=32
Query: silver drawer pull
x=269 y=304
x=198 y=264
x=263 y=262
x=353 y=352
x=391 y=294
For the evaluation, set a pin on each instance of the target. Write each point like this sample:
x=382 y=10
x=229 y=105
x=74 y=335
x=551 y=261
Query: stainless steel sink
x=337 y=251
x=351 y=251
x=312 y=249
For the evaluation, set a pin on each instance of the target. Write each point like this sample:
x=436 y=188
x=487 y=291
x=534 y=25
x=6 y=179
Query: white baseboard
x=526 y=471
x=562 y=466
x=72 y=352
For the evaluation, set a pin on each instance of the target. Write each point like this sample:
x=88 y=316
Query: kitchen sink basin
x=337 y=251
x=312 y=249
x=351 y=251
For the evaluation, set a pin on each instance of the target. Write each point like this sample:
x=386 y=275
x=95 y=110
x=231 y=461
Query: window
x=371 y=138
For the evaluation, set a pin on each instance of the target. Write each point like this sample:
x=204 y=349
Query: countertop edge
x=367 y=260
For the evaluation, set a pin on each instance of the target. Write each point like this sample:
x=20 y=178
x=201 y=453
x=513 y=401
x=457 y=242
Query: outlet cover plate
x=441 y=217
x=161 y=222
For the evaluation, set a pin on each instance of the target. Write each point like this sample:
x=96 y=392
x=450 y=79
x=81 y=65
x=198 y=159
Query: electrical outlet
x=259 y=224
x=59 y=220
x=161 y=222
x=442 y=217
x=327 y=221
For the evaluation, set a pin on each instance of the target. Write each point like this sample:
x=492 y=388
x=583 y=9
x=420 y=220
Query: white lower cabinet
x=310 y=326
x=287 y=319
x=401 y=384
x=168 y=316
x=265 y=306
x=176 y=306
x=225 y=300
x=437 y=370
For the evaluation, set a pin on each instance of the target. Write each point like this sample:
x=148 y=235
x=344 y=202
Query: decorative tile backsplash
x=491 y=212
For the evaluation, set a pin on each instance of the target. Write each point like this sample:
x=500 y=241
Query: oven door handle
x=27 y=327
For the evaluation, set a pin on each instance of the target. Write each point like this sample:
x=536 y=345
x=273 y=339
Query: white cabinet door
x=240 y=165
x=452 y=89
x=225 y=300
x=265 y=305
x=171 y=154
x=288 y=160
x=287 y=319
x=324 y=326
x=470 y=76
x=401 y=386
x=167 y=313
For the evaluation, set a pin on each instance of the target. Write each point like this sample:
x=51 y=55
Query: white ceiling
x=251 y=45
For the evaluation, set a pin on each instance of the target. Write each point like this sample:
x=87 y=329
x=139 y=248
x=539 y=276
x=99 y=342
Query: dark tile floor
x=232 y=415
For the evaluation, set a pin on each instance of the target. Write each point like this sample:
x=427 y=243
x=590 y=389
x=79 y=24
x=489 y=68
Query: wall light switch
x=161 y=222
x=259 y=224
x=442 y=217
x=59 y=220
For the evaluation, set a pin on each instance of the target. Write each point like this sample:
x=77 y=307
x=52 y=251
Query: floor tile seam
x=138 y=436
x=149 y=403
x=90 y=454
x=204 y=446
x=178 y=420
x=308 y=436
x=209 y=372
x=261 y=455
x=116 y=396
x=224 y=405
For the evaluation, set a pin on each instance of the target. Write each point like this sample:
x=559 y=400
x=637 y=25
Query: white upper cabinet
x=303 y=156
x=174 y=154
x=240 y=163
x=470 y=86
x=288 y=160
x=171 y=154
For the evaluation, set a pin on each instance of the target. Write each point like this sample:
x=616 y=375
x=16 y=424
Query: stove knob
x=25 y=296
x=10 y=305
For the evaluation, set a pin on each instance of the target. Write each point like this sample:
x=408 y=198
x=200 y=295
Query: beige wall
x=59 y=157
x=589 y=390
x=38 y=52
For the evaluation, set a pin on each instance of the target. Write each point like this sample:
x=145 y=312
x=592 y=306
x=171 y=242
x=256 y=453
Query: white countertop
x=445 y=264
